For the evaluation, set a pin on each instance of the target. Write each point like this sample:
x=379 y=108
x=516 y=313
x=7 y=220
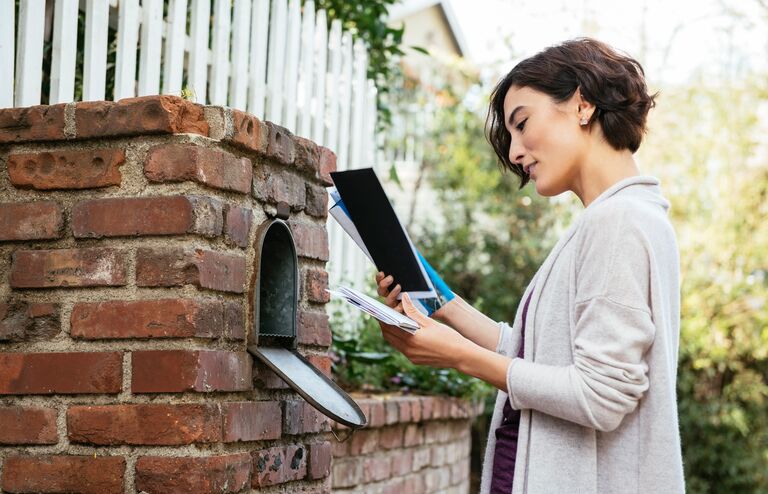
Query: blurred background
x=707 y=142
x=423 y=71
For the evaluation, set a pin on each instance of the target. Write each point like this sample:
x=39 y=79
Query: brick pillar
x=126 y=252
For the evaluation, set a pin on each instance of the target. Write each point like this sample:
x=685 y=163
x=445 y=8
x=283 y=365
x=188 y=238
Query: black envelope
x=381 y=230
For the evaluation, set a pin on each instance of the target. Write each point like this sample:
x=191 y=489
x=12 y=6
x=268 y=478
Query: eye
x=521 y=125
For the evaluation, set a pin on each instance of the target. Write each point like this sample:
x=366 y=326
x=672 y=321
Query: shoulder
x=625 y=217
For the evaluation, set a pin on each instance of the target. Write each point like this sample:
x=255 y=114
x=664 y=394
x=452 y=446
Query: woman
x=587 y=370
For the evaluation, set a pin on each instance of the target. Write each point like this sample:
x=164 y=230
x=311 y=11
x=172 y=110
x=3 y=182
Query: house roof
x=408 y=7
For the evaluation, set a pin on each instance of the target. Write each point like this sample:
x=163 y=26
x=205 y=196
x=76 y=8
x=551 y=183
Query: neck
x=601 y=171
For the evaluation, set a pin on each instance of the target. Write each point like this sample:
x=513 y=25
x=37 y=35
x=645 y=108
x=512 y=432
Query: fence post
x=240 y=43
x=29 y=57
x=151 y=36
x=127 y=39
x=63 y=51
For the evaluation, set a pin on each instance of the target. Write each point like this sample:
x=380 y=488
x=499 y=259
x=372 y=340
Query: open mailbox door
x=274 y=302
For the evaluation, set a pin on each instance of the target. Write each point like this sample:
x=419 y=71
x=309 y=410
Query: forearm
x=484 y=364
x=470 y=323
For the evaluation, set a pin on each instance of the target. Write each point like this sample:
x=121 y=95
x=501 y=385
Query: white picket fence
x=275 y=60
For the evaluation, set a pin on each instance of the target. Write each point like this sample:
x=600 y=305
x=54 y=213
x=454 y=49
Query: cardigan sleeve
x=613 y=329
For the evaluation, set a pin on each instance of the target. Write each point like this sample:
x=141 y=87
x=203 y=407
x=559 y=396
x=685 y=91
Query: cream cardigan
x=597 y=383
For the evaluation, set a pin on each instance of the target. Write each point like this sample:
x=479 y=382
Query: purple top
x=506 y=435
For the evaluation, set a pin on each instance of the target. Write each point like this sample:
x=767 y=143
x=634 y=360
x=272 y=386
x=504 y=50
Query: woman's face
x=546 y=138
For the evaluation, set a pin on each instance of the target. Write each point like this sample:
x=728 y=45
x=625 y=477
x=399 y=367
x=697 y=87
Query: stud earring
x=584 y=121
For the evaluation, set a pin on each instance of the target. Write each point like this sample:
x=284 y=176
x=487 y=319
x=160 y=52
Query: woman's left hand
x=433 y=344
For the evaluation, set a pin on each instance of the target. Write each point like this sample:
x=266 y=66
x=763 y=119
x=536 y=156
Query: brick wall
x=413 y=445
x=126 y=255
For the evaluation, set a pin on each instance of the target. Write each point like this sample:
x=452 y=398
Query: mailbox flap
x=314 y=386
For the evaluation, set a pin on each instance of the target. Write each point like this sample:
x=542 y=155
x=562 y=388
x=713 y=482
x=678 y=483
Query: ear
x=584 y=109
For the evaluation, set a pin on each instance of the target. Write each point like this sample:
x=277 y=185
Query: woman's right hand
x=383 y=283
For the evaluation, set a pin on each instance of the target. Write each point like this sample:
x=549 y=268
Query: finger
x=392 y=297
x=386 y=281
x=379 y=276
x=383 y=292
x=383 y=286
x=412 y=311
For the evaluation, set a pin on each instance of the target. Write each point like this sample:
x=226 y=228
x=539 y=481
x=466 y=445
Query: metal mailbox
x=274 y=303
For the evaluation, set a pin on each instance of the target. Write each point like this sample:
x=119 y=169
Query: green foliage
x=494 y=236
x=707 y=138
x=367 y=20
x=363 y=360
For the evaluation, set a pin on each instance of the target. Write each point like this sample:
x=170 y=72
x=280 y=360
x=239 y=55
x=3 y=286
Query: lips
x=527 y=168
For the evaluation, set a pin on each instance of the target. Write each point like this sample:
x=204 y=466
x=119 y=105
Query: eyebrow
x=511 y=118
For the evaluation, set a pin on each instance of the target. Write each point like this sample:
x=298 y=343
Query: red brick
x=133 y=216
x=163 y=318
x=436 y=432
x=364 y=441
x=273 y=185
x=414 y=484
x=377 y=416
x=202 y=475
x=317 y=201
x=144 y=424
x=178 y=266
x=139 y=116
x=392 y=411
x=67 y=268
x=39 y=220
x=250 y=133
x=340 y=449
x=307 y=155
x=322 y=363
x=89 y=474
x=300 y=418
x=395 y=486
x=266 y=378
x=404 y=405
x=315 y=285
x=421 y=458
x=28 y=425
x=415 y=409
x=251 y=421
x=66 y=169
x=376 y=468
x=427 y=406
x=238 y=225
x=347 y=473
x=319 y=463
x=21 y=321
x=391 y=437
x=278 y=465
x=234 y=320
x=176 y=371
x=208 y=166
x=60 y=373
x=280 y=145
x=313 y=328
x=311 y=240
x=402 y=462
x=414 y=435
x=33 y=123
x=327 y=165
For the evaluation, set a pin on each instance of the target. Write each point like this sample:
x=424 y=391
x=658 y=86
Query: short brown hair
x=613 y=82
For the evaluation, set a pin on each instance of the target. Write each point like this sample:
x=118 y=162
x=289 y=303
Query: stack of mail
x=376 y=309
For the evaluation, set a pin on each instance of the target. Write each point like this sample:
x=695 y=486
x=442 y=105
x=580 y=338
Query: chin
x=547 y=190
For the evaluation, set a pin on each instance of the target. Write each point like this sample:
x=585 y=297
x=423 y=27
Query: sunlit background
x=707 y=142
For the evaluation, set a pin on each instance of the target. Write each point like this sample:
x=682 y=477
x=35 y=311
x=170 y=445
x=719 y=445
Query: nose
x=516 y=152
